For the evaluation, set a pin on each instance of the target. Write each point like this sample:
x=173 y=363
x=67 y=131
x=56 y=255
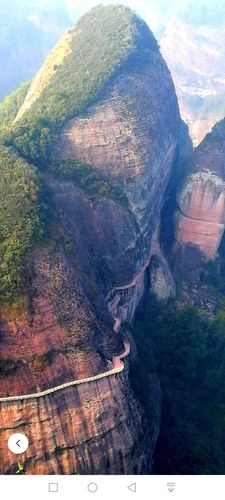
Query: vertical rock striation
x=200 y=218
x=93 y=271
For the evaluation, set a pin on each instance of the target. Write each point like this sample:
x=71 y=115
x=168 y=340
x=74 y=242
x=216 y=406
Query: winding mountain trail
x=155 y=249
x=118 y=366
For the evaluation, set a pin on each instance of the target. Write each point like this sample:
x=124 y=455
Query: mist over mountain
x=26 y=36
x=30 y=30
x=193 y=44
x=196 y=30
x=202 y=13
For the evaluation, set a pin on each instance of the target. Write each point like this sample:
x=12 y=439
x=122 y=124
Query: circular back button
x=18 y=443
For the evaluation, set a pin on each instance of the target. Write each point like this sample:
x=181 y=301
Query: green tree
x=188 y=355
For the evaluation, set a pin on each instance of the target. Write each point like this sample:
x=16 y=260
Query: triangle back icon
x=132 y=487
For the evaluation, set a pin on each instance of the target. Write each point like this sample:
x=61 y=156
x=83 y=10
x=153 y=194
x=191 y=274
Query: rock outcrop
x=162 y=282
x=83 y=430
x=126 y=137
x=200 y=217
x=92 y=272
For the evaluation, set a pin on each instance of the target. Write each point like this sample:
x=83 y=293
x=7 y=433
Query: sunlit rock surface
x=200 y=218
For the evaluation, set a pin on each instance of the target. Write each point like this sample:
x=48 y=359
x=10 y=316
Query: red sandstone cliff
x=200 y=218
x=131 y=133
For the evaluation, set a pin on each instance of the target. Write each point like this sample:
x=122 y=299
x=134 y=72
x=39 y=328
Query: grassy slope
x=10 y=106
x=94 y=49
x=77 y=71
x=74 y=74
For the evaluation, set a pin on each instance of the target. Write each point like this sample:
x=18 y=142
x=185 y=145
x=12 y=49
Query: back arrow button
x=132 y=487
x=18 y=443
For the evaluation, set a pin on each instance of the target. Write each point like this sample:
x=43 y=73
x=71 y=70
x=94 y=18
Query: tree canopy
x=188 y=355
x=20 y=222
x=77 y=70
x=10 y=106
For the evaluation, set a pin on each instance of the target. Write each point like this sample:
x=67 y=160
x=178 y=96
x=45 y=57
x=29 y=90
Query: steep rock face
x=195 y=56
x=125 y=136
x=103 y=231
x=82 y=430
x=56 y=342
x=200 y=218
x=96 y=427
x=161 y=279
x=202 y=213
x=89 y=278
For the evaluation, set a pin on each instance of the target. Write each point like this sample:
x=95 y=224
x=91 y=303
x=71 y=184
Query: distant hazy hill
x=193 y=45
x=30 y=28
x=27 y=33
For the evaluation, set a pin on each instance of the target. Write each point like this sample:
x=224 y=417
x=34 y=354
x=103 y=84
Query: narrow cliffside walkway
x=118 y=366
x=154 y=250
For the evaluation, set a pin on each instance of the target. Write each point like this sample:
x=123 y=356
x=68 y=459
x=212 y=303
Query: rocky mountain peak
x=84 y=60
x=102 y=125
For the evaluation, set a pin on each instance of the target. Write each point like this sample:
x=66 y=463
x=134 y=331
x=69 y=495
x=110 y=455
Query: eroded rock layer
x=85 y=430
x=202 y=213
x=200 y=218
x=126 y=137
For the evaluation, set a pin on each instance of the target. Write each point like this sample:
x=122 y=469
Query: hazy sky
x=155 y=12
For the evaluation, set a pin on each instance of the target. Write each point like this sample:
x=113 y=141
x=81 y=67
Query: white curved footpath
x=118 y=366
